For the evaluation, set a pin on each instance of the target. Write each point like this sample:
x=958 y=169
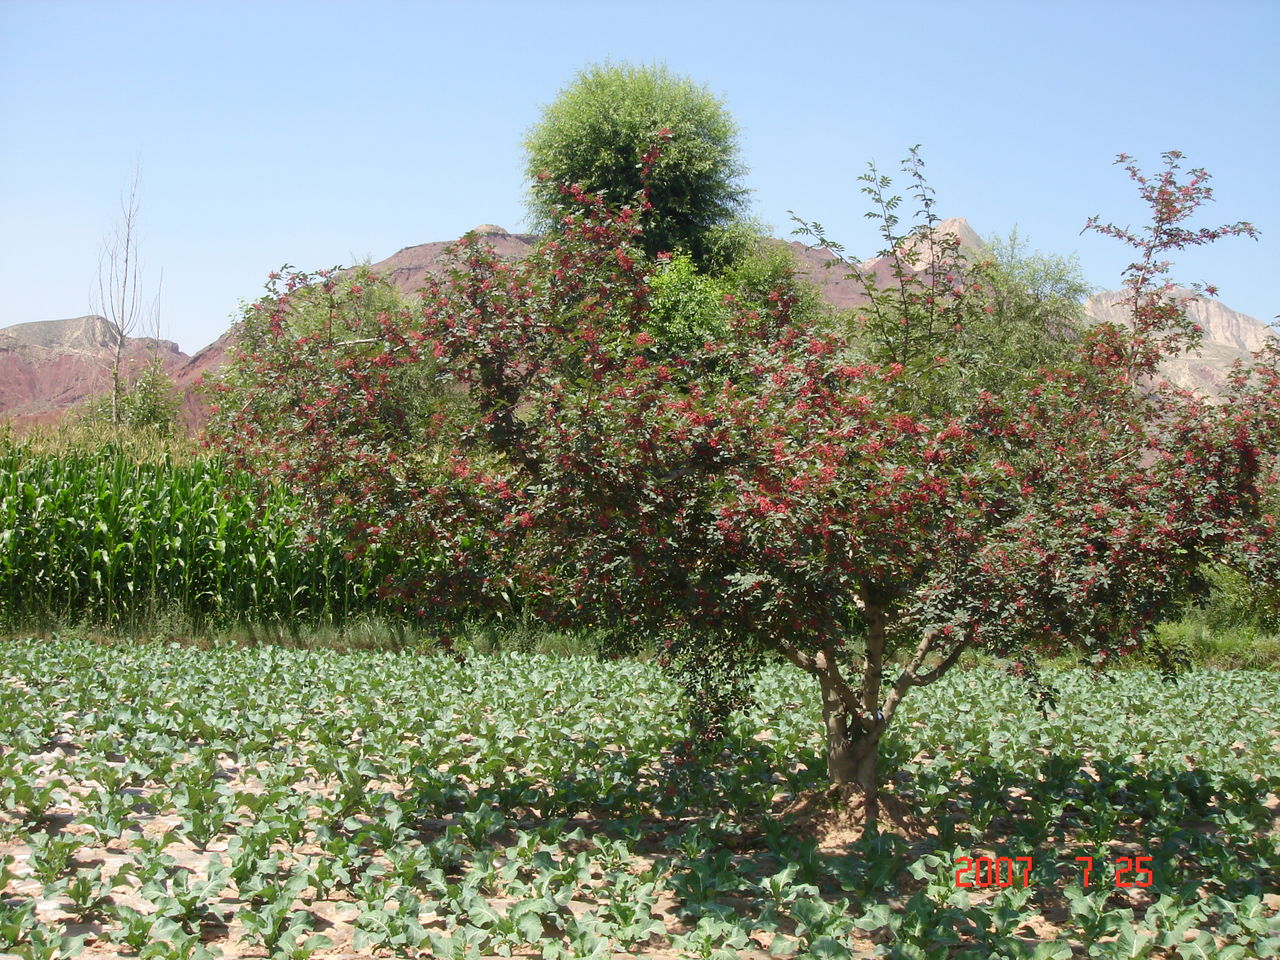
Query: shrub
x=779 y=494
x=148 y=402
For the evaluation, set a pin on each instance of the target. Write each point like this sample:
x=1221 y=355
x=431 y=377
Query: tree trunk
x=852 y=754
x=117 y=386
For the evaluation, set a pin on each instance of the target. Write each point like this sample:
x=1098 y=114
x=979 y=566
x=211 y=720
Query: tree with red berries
x=868 y=506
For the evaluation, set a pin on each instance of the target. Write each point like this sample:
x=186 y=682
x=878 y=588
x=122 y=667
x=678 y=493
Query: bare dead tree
x=119 y=294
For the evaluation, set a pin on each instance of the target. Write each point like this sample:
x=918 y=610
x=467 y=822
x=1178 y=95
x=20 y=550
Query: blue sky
x=317 y=134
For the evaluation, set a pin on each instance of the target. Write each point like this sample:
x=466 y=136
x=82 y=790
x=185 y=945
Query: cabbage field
x=160 y=800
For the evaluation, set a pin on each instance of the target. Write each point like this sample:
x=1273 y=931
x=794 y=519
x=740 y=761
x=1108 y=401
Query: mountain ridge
x=47 y=367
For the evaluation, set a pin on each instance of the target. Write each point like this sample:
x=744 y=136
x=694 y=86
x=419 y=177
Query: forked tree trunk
x=852 y=754
x=855 y=716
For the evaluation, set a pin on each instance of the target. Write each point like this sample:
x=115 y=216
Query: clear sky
x=318 y=134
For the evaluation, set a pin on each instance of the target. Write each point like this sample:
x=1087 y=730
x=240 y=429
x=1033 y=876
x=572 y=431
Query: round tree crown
x=598 y=129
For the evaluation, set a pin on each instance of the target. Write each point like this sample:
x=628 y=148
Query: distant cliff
x=1228 y=336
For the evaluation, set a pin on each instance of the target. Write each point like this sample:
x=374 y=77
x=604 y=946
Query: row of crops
x=161 y=801
x=103 y=538
x=128 y=536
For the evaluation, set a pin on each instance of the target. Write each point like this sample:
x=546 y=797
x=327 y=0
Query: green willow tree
x=1037 y=303
x=595 y=133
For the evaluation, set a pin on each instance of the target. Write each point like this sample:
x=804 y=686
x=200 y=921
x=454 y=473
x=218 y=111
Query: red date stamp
x=1007 y=871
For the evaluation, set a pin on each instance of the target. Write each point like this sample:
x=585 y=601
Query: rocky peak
x=88 y=334
x=968 y=238
x=91 y=334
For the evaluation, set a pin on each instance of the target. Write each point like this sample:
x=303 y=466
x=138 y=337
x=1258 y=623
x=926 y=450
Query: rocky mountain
x=839 y=282
x=49 y=366
x=1228 y=336
x=410 y=267
x=188 y=378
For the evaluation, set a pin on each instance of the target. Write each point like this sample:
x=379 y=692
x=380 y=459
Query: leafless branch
x=119 y=294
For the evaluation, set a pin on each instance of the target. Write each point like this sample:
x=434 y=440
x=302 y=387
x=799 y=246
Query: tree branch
x=824 y=664
x=911 y=677
x=947 y=662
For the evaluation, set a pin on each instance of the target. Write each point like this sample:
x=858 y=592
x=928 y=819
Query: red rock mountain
x=49 y=366
x=409 y=268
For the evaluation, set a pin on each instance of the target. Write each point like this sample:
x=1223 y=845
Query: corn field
x=101 y=538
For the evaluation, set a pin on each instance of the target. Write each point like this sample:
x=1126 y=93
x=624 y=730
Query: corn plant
x=103 y=538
